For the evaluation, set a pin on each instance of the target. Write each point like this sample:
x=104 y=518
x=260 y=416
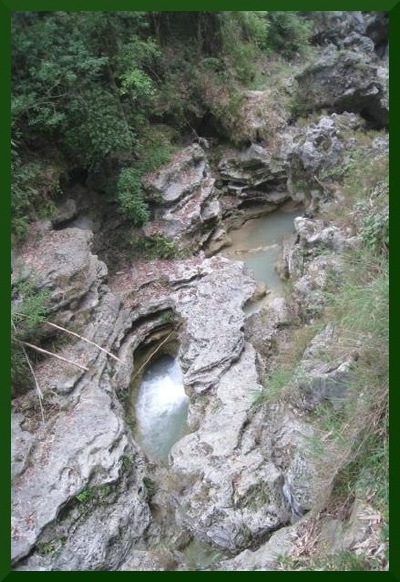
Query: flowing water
x=258 y=243
x=161 y=407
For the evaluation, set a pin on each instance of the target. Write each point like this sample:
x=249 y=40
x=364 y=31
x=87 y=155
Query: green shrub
x=33 y=186
x=130 y=196
x=159 y=247
x=375 y=231
x=288 y=33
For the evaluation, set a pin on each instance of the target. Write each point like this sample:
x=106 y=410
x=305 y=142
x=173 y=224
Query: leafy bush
x=33 y=188
x=130 y=196
x=159 y=247
x=288 y=33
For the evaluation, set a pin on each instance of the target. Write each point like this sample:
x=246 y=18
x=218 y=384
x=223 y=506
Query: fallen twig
x=85 y=340
x=38 y=390
x=54 y=355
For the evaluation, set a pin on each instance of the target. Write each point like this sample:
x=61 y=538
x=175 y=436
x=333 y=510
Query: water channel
x=161 y=407
x=258 y=243
x=162 y=404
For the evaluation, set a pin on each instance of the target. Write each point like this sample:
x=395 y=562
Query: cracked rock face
x=235 y=493
x=186 y=195
x=82 y=447
x=346 y=80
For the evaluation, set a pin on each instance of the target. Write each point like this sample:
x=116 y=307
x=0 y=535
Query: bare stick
x=85 y=340
x=54 y=355
x=38 y=390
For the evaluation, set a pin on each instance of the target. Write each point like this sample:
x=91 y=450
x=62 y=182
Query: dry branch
x=85 y=340
x=38 y=390
x=53 y=355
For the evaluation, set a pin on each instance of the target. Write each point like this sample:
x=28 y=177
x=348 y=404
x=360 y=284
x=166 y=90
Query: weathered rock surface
x=334 y=26
x=311 y=258
x=236 y=494
x=346 y=80
x=356 y=28
x=264 y=558
x=62 y=262
x=21 y=445
x=85 y=440
x=322 y=382
x=187 y=199
x=227 y=489
x=80 y=498
x=64 y=213
x=254 y=172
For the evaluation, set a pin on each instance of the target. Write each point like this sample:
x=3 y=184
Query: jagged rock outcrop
x=84 y=449
x=280 y=544
x=82 y=498
x=187 y=202
x=225 y=488
x=364 y=31
x=346 y=80
x=254 y=175
x=315 y=154
x=311 y=258
x=63 y=263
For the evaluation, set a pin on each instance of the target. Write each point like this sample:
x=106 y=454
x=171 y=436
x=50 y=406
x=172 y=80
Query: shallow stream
x=258 y=243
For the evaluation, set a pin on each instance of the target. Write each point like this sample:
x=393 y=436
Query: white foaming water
x=161 y=407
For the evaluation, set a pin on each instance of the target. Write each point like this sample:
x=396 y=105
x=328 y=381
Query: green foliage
x=96 y=128
x=151 y=486
x=375 y=231
x=86 y=494
x=51 y=546
x=89 y=493
x=343 y=561
x=136 y=83
x=126 y=463
x=273 y=386
x=81 y=79
x=29 y=308
x=158 y=247
x=130 y=196
x=242 y=34
x=288 y=33
x=33 y=185
x=153 y=151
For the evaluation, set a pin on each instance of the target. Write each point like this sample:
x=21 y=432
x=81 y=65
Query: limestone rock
x=252 y=168
x=222 y=500
x=64 y=213
x=21 y=445
x=63 y=263
x=187 y=198
x=335 y=26
x=280 y=544
x=345 y=80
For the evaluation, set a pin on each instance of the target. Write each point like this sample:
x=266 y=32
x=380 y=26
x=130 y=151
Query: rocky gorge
x=241 y=488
